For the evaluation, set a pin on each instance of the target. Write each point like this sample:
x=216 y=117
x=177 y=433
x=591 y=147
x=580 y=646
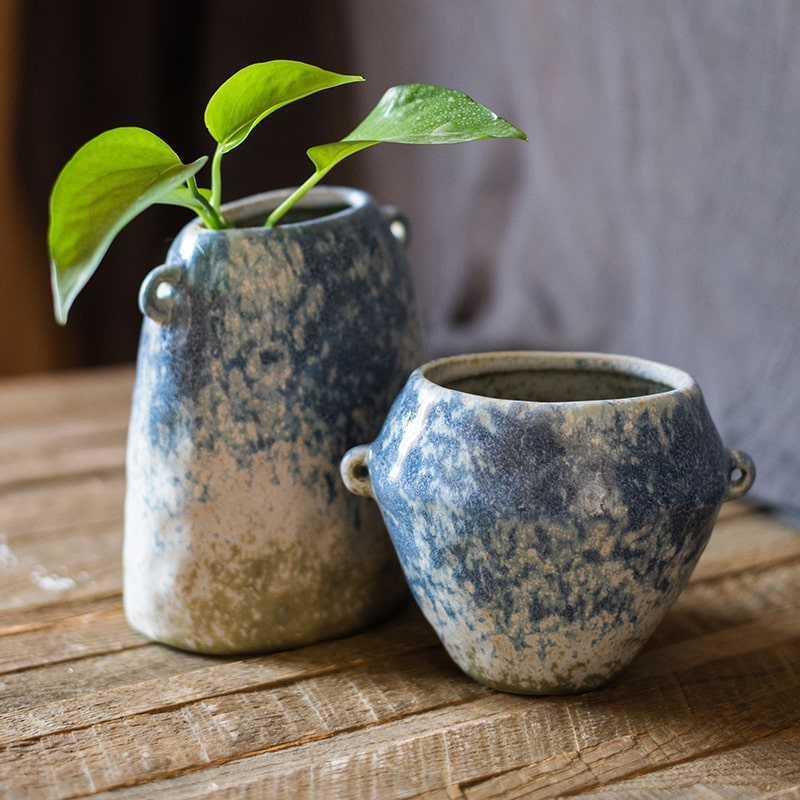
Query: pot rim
x=441 y=371
x=259 y=205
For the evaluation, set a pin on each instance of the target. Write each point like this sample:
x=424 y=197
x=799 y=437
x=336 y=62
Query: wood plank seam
x=165 y=774
x=786 y=559
x=9 y=628
x=8 y=485
x=272 y=684
x=579 y=767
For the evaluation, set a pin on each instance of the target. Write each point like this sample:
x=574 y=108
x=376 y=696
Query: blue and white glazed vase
x=264 y=355
x=547 y=508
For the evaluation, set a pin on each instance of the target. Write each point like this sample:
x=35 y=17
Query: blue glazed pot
x=547 y=508
x=264 y=355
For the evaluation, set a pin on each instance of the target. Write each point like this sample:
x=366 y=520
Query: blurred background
x=654 y=210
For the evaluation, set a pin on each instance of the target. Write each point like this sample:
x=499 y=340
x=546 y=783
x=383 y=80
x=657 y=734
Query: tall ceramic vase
x=264 y=355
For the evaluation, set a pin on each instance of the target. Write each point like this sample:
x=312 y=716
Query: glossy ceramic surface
x=547 y=508
x=264 y=355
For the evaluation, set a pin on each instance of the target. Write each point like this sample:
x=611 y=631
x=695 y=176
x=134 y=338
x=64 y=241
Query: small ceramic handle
x=398 y=224
x=355 y=473
x=158 y=295
x=741 y=474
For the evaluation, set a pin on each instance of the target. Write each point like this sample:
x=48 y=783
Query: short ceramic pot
x=547 y=508
x=265 y=354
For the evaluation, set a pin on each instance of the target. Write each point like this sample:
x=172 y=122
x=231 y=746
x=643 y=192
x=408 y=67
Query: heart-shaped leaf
x=420 y=113
x=108 y=182
x=256 y=91
x=417 y=113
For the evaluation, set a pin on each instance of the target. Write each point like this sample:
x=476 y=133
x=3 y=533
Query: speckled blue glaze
x=264 y=355
x=547 y=508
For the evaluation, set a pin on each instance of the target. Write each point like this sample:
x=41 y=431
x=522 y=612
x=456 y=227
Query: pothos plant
x=123 y=171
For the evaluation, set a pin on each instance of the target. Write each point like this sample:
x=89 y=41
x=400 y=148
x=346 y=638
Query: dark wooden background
x=75 y=68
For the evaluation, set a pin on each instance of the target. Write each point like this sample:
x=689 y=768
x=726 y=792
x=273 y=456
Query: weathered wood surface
x=711 y=708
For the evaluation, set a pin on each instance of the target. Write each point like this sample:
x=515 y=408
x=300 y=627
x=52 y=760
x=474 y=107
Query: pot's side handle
x=355 y=472
x=741 y=474
x=159 y=295
x=398 y=224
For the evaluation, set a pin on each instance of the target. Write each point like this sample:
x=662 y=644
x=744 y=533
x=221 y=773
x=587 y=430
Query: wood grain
x=89 y=708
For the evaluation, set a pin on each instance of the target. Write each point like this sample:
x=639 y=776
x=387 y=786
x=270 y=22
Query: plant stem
x=210 y=215
x=216 y=179
x=276 y=215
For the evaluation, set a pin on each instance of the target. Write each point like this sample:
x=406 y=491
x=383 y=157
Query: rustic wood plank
x=383 y=761
x=43 y=507
x=768 y=767
x=65 y=424
x=56 y=696
x=229 y=726
x=49 y=398
x=493 y=737
x=75 y=454
x=72 y=551
x=112 y=686
x=81 y=562
x=46 y=617
x=710 y=705
x=748 y=542
x=93 y=632
x=728 y=601
x=773 y=631
x=752 y=769
x=497 y=740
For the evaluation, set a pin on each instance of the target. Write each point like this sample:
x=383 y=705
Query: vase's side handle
x=355 y=472
x=159 y=295
x=398 y=224
x=741 y=474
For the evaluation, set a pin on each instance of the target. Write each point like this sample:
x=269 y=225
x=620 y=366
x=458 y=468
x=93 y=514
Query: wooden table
x=88 y=707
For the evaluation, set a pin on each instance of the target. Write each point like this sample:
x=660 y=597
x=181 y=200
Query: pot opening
x=321 y=201
x=294 y=215
x=555 y=386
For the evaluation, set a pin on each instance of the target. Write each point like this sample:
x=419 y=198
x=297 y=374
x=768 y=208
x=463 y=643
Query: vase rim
x=665 y=380
x=346 y=199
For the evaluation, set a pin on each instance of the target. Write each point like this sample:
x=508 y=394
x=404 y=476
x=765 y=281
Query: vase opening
x=557 y=386
x=321 y=202
x=295 y=215
x=554 y=378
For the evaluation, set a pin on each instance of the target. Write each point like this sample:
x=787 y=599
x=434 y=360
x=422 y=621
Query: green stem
x=210 y=215
x=276 y=215
x=216 y=179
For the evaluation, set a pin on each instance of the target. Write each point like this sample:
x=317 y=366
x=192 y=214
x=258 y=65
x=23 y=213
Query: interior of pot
x=322 y=201
x=557 y=386
x=554 y=378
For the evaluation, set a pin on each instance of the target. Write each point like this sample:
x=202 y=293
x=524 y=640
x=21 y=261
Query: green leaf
x=108 y=182
x=420 y=113
x=256 y=91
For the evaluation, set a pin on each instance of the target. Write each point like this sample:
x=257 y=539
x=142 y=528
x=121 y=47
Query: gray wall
x=654 y=211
